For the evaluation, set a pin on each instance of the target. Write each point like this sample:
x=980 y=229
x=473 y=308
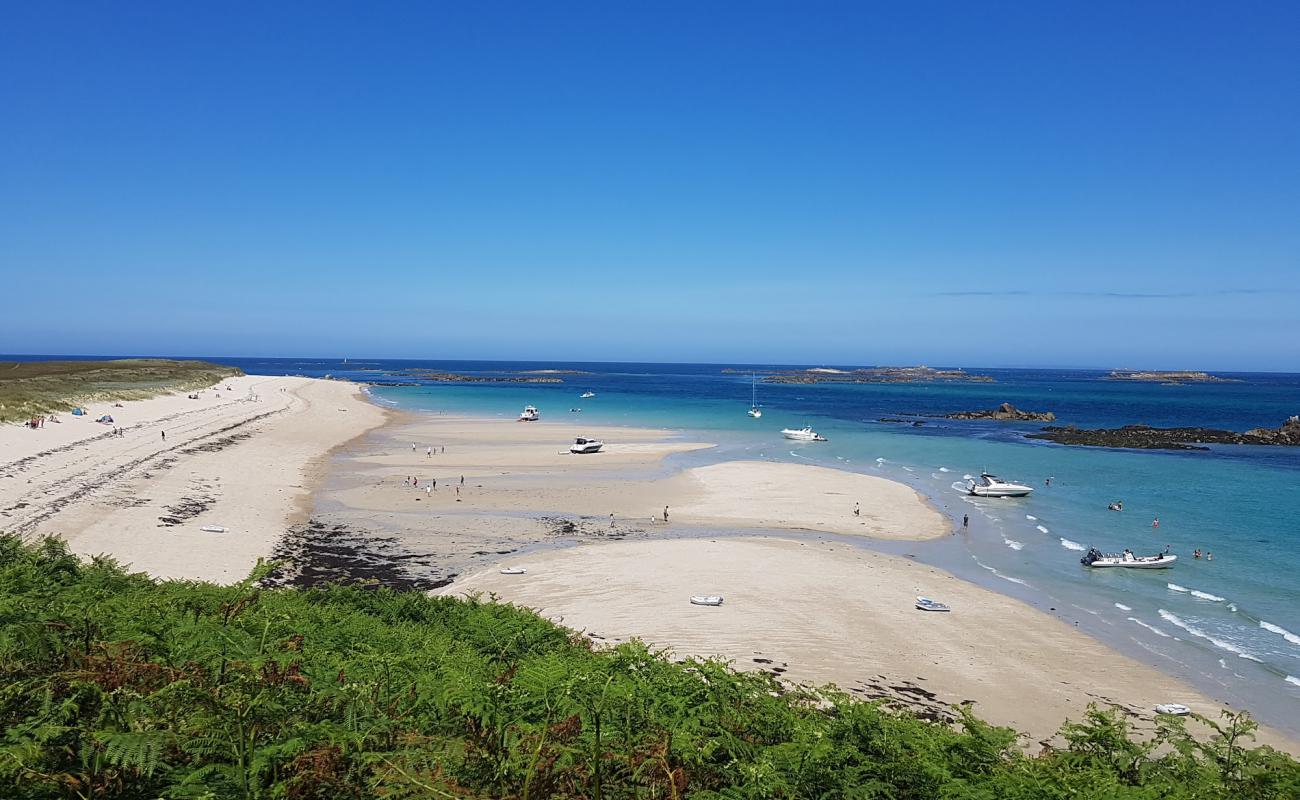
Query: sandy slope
x=818 y=611
x=243 y=456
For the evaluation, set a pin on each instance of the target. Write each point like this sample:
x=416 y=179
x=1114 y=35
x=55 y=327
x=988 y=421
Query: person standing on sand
x=164 y=434
x=665 y=513
x=435 y=483
x=412 y=447
x=462 y=480
x=428 y=490
x=965 y=520
x=444 y=448
x=611 y=519
x=429 y=453
x=857 y=509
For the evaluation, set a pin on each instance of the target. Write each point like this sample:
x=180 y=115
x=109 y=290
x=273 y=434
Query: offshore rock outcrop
x=1148 y=438
x=1006 y=412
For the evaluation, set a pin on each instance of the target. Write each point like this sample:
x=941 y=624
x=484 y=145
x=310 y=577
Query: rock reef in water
x=1006 y=411
x=452 y=377
x=920 y=374
x=1148 y=438
x=1175 y=378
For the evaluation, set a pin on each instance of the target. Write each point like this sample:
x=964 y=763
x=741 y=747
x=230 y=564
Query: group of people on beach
x=430 y=451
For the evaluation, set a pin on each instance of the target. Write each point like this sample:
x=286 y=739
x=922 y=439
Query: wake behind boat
x=993 y=486
x=804 y=434
x=1097 y=559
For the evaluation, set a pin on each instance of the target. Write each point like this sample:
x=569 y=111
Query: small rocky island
x=921 y=374
x=1005 y=412
x=452 y=377
x=1148 y=438
x=1176 y=378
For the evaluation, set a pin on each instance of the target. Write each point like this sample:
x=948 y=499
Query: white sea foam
x=944 y=469
x=796 y=455
x=1213 y=598
x=1012 y=543
x=1174 y=619
x=880 y=460
x=1071 y=545
x=909 y=469
x=1293 y=679
x=1280 y=631
x=1123 y=607
x=1001 y=575
x=1031 y=517
x=1043 y=529
x=1151 y=628
x=1173 y=587
x=968 y=477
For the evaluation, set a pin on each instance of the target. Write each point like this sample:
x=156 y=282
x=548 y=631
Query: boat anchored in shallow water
x=993 y=486
x=804 y=434
x=530 y=414
x=754 y=411
x=583 y=445
x=1097 y=559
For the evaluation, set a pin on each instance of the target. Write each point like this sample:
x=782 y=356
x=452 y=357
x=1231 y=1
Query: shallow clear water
x=1232 y=626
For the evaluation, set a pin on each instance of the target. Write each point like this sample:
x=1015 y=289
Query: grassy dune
x=30 y=388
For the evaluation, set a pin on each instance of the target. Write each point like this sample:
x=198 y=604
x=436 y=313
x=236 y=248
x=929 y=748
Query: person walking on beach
x=965 y=520
x=857 y=509
x=611 y=519
x=412 y=447
x=462 y=480
x=164 y=434
x=429 y=453
x=444 y=448
x=428 y=490
x=665 y=513
x=435 y=483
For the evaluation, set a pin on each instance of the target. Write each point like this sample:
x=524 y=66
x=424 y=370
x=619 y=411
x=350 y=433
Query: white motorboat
x=513 y=571
x=754 y=410
x=585 y=395
x=706 y=600
x=214 y=529
x=1126 y=559
x=804 y=434
x=993 y=486
x=926 y=604
x=530 y=414
x=583 y=445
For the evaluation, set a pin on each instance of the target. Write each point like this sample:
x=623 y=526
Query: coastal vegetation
x=113 y=685
x=33 y=388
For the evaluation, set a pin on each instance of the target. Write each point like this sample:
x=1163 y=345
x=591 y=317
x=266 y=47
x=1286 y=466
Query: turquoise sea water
x=1231 y=626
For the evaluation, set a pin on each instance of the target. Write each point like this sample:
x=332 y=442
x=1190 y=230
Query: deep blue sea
x=1230 y=626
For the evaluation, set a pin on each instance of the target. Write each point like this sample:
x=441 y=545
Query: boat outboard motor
x=1092 y=555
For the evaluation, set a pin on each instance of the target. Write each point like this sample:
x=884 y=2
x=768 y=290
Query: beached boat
x=1177 y=709
x=530 y=414
x=513 y=571
x=583 y=445
x=804 y=434
x=754 y=410
x=993 y=486
x=926 y=604
x=706 y=600
x=1097 y=559
x=585 y=395
x=214 y=529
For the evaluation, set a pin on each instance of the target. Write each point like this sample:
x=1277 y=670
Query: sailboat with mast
x=754 y=410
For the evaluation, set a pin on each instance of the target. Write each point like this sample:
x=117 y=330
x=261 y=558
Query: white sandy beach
x=244 y=456
x=818 y=611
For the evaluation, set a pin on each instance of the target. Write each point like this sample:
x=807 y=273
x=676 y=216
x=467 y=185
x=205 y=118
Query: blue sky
x=1071 y=184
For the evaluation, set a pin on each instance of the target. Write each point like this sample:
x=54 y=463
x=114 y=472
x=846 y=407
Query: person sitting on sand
x=665 y=513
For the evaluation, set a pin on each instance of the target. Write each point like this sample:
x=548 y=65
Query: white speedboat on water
x=1097 y=559
x=993 y=486
x=804 y=434
x=530 y=414
x=585 y=395
x=583 y=445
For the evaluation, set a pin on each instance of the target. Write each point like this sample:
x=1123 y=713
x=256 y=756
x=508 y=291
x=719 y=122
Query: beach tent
x=105 y=418
x=77 y=412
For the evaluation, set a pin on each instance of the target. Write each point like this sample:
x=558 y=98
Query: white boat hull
x=1162 y=563
x=1000 y=491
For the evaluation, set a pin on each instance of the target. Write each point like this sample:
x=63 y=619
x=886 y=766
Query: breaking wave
x=1043 y=529
x=1151 y=628
x=1071 y=545
x=1280 y=631
x=1174 y=619
x=1123 y=607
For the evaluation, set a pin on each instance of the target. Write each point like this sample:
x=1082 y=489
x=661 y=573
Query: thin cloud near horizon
x=1111 y=294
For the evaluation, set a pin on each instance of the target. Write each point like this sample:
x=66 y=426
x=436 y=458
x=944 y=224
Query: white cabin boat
x=804 y=434
x=530 y=414
x=1097 y=559
x=926 y=604
x=585 y=395
x=993 y=486
x=583 y=445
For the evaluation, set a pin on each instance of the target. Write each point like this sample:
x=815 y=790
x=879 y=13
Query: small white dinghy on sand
x=926 y=604
x=706 y=600
x=213 y=529
x=1177 y=709
x=513 y=571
